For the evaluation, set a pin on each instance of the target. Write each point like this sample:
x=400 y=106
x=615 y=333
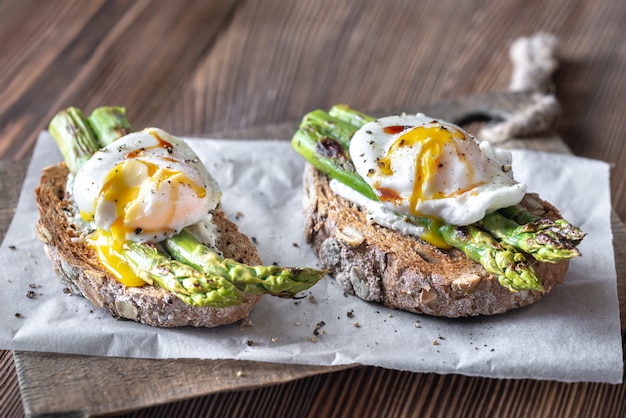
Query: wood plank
x=454 y=395
x=10 y=397
x=56 y=383
x=29 y=42
x=97 y=64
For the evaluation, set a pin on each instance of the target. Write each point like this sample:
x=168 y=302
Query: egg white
x=163 y=187
x=424 y=167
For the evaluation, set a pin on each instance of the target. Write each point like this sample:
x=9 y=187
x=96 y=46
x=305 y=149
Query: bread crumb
x=239 y=373
x=313 y=339
x=435 y=342
x=275 y=339
x=245 y=322
x=357 y=325
x=318 y=328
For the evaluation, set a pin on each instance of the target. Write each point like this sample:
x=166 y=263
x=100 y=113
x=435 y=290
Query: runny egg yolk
x=433 y=139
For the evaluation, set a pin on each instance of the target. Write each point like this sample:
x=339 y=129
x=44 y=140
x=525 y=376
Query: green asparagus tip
x=543 y=243
x=273 y=280
x=188 y=284
x=294 y=281
x=74 y=137
x=109 y=124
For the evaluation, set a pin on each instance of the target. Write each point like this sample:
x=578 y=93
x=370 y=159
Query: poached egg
x=419 y=166
x=143 y=187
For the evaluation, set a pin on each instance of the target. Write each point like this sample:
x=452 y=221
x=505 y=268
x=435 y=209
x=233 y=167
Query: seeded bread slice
x=78 y=266
x=402 y=272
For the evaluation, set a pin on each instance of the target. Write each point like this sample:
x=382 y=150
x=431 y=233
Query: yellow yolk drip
x=117 y=189
x=109 y=253
x=433 y=237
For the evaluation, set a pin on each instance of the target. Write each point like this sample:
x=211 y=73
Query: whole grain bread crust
x=404 y=272
x=77 y=265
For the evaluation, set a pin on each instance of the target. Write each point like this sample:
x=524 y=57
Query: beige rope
x=534 y=61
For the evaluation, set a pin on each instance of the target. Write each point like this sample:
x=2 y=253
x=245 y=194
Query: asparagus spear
x=79 y=138
x=330 y=157
x=503 y=261
x=184 y=281
x=74 y=137
x=351 y=116
x=558 y=229
x=542 y=245
x=109 y=123
x=278 y=281
x=222 y=282
x=333 y=127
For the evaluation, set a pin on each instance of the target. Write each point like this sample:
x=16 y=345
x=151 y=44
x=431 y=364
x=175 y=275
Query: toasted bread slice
x=78 y=266
x=378 y=264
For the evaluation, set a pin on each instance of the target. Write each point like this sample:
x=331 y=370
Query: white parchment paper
x=573 y=334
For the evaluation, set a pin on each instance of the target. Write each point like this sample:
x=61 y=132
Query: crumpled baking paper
x=573 y=334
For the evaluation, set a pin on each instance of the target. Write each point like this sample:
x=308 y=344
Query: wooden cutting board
x=84 y=386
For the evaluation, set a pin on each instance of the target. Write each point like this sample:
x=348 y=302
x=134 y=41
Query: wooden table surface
x=199 y=67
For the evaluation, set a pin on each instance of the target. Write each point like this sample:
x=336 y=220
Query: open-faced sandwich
x=414 y=213
x=132 y=222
